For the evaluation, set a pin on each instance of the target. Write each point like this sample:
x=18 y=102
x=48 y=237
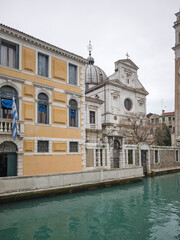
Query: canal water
x=143 y=211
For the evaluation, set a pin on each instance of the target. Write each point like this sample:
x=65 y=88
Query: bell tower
x=176 y=49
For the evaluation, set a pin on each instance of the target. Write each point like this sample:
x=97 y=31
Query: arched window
x=43 y=108
x=6 y=97
x=73 y=113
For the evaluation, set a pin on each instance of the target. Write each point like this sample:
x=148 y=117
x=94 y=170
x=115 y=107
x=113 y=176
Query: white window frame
x=77 y=99
x=155 y=156
x=49 y=64
x=77 y=74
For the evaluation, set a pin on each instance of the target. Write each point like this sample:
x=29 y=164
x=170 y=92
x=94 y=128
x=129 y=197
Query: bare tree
x=137 y=129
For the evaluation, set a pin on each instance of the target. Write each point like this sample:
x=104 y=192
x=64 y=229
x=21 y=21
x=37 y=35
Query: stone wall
x=10 y=185
x=157 y=157
x=166 y=158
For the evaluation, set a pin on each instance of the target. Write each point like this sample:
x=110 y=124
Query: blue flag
x=14 y=120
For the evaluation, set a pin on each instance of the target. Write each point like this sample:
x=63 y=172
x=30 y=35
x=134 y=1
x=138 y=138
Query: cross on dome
x=90 y=47
x=127 y=55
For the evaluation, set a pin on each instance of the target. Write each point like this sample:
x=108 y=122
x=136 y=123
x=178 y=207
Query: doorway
x=116 y=152
x=8 y=164
x=144 y=160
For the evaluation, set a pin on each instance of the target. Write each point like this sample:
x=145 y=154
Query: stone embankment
x=16 y=188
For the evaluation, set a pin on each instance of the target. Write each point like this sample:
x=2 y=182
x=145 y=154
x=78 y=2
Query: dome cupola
x=94 y=75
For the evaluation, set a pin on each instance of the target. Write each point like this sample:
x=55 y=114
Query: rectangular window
x=177 y=156
x=42 y=113
x=72 y=74
x=130 y=156
x=96 y=158
x=169 y=118
x=73 y=118
x=9 y=54
x=101 y=157
x=43 y=146
x=163 y=119
x=42 y=65
x=73 y=146
x=173 y=118
x=157 y=120
x=92 y=117
x=152 y=120
x=156 y=156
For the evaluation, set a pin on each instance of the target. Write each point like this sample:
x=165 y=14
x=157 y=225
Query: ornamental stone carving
x=8 y=147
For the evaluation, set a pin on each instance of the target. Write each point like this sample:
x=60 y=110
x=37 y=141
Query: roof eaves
x=21 y=35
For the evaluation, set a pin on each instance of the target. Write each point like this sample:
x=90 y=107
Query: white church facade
x=108 y=101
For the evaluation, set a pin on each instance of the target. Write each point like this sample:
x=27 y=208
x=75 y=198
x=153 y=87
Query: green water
x=145 y=210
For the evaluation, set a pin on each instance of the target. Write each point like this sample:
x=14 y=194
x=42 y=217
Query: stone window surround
x=154 y=156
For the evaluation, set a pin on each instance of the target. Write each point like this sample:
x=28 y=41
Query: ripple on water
x=147 y=210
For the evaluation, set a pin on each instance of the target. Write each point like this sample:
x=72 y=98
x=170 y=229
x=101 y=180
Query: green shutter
x=12 y=165
x=17 y=57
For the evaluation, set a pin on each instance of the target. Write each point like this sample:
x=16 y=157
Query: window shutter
x=46 y=70
x=17 y=57
x=76 y=123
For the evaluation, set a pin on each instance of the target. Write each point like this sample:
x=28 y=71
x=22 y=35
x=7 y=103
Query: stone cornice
x=94 y=100
x=13 y=79
x=37 y=42
x=73 y=93
x=40 y=85
x=119 y=84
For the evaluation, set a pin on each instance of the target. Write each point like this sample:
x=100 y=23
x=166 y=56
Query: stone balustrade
x=6 y=126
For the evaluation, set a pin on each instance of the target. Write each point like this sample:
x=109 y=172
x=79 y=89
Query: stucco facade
x=30 y=79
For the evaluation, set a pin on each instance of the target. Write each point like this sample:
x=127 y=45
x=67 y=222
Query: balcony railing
x=6 y=127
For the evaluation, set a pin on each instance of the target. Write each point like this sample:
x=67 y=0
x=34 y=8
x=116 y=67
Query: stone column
x=134 y=156
x=126 y=157
x=94 y=157
x=148 y=162
x=103 y=157
x=140 y=157
x=99 y=158
x=20 y=163
x=122 y=156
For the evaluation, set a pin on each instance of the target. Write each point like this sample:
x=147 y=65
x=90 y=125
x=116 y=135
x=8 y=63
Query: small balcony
x=6 y=127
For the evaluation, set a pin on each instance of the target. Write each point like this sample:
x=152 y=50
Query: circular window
x=128 y=104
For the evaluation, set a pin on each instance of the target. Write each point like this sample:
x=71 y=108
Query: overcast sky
x=143 y=28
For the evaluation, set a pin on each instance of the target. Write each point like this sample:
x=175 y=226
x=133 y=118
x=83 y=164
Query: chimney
x=163 y=111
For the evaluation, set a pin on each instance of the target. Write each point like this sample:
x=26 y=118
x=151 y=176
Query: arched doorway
x=144 y=157
x=8 y=159
x=116 y=153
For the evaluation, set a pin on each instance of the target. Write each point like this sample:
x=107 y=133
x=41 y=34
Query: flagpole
x=14 y=119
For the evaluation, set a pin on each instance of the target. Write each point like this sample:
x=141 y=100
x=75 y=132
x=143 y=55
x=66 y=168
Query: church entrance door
x=116 y=154
x=144 y=160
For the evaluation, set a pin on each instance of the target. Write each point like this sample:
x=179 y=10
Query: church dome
x=93 y=74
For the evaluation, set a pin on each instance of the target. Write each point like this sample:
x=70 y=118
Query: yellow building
x=48 y=87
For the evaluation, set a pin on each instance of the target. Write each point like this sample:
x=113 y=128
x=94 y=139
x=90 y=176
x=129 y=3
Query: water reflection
x=147 y=210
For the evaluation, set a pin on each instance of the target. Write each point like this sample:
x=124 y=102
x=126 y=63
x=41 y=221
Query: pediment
x=138 y=88
x=127 y=62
